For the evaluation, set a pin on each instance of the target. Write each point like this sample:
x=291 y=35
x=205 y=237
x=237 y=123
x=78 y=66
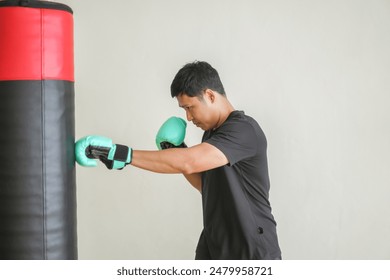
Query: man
x=229 y=167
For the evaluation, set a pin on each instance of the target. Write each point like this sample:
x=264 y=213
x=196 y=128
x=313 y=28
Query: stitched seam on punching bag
x=43 y=137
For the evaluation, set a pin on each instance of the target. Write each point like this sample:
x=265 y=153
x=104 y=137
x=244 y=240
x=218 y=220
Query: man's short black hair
x=194 y=78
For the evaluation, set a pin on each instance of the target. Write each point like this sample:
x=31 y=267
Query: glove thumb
x=81 y=157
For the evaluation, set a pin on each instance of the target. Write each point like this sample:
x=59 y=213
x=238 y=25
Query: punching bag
x=37 y=170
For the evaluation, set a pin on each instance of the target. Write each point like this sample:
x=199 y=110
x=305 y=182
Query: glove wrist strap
x=121 y=153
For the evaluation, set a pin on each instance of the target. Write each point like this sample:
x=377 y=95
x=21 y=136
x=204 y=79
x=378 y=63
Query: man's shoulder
x=242 y=120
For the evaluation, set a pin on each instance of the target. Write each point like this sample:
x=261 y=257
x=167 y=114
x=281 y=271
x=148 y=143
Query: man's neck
x=225 y=112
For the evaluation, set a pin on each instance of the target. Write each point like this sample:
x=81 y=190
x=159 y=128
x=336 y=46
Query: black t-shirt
x=238 y=223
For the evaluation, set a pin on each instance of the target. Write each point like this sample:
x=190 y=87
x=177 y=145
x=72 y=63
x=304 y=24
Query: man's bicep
x=195 y=179
x=205 y=157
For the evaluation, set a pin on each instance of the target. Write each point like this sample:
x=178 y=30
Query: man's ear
x=210 y=95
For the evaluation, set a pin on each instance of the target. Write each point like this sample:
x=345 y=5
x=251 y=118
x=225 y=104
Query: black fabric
x=202 y=250
x=37 y=170
x=238 y=223
x=36 y=4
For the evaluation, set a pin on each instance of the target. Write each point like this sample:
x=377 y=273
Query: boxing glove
x=171 y=134
x=92 y=147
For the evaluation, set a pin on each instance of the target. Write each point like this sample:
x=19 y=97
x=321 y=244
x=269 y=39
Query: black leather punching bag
x=37 y=170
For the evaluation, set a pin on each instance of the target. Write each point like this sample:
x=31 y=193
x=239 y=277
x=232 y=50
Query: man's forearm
x=166 y=161
x=192 y=160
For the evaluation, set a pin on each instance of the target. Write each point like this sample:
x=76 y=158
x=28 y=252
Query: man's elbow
x=187 y=169
x=188 y=166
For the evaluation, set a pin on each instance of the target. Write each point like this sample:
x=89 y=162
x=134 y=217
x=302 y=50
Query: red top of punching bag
x=36 y=44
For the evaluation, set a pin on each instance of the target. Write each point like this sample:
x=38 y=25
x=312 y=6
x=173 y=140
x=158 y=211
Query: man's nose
x=189 y=116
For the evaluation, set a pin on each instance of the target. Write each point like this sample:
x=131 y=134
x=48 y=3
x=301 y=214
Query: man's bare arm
x=195 y=180
x=187 y=161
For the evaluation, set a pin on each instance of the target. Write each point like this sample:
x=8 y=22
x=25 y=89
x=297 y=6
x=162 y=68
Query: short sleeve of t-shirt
x=236 y=138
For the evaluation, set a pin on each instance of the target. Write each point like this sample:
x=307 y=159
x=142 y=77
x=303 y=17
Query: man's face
x=198 y=110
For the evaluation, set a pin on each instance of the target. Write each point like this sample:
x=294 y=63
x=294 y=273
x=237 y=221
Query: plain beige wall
x=315 y=74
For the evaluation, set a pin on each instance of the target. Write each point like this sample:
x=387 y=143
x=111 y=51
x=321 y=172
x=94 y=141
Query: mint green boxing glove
x=171 y=134
x=92 y=147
